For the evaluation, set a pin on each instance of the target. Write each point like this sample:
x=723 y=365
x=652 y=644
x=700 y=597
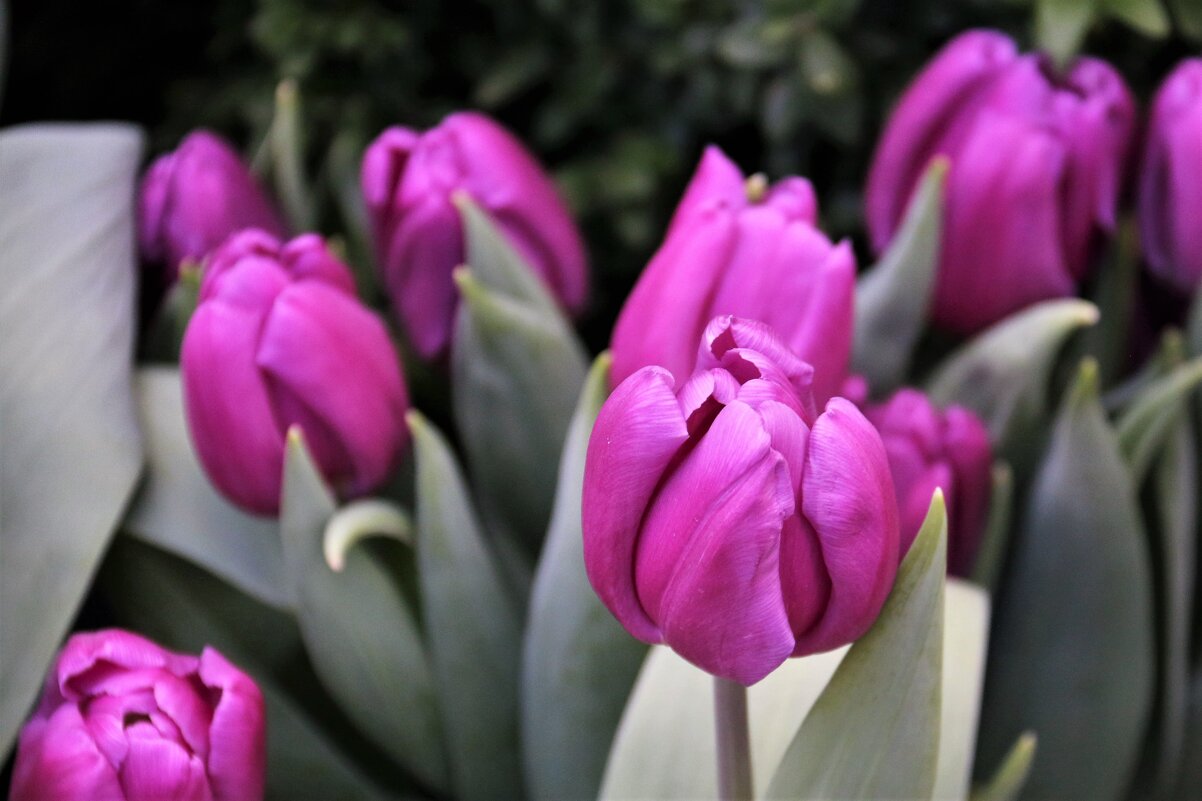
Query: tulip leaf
x=991 y=556
x=892 y=299
x=286 y=144
x=359 y=520
x=360 y=631
x=1077 y=601
x=497 y=264
x=1146 y=16
x=578 y=663
x=179 y=510
x=1012 y=774
x=1188 y=15
x=965 y=647
x=1152 y=416
x=1061 y=25
x=473 y=627
x=874 y=731
x=1189 y=783
x=71 y=446
x=1114 y=293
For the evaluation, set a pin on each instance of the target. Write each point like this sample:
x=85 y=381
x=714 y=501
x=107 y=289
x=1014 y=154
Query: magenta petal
x=638 y=431
x=717 y=182
x=804 y=581
x=238 y=752
x=307 y=258
x=75 y=671
x=794 y=198
x=156 y=769
x=971 y=458
x=178 y=698
x=382 y=169
x=153 y=198
x=57 y=760
x=726 y=333
x=822 y=335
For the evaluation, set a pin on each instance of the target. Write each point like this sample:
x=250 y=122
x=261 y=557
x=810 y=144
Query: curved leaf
x=1147 y=422
x=1012 y=774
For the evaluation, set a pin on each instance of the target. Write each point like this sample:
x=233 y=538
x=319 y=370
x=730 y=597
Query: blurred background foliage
x=617 y=96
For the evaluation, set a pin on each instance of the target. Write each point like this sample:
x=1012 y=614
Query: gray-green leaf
x=1150 y=418
x=1011 y=775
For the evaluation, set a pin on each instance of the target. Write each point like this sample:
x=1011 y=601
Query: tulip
x=279 y=339
x=122 y=719
x=194 y=198
x=728 y=519
x=409 y=181
x=1037 y=162
x=931 y=448
x=1170 y=181
x=738 y=246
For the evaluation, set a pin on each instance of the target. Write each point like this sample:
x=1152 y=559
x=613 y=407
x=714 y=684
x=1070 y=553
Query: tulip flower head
x=740 y=246
x=1037 y=162
x=725 y=517
x=931 y=448
x=121 y=719
x=279 y=339
x=1170 y=180
x=409 y=181
x=194 y=198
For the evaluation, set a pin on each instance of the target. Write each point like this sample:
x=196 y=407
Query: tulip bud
x=409 y=180
x=739 y=246
x=930 y=448
x=1170 y=181
x=194 y=198
x=1037 y=163
x=279 y=339
x=728 y=520
x=122 y=719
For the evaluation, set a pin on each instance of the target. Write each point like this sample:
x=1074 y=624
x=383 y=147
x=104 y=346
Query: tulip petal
x=237 y=756
x=971 y=458
x=726 y=333
x=380 y=175
x=822 y=333
x=307 y=258
x=794 y=198
x=638 y=432
x=156 y=769
x=703 y=396
x=90 y=658
x=805 y=584
x=58 y=761
x=178 y=698
x=717 y=182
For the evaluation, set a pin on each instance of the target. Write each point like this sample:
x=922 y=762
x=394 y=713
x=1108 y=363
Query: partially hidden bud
x=1170 y=180
x=409 y=181
x=123 y=719
x=1037 y=162
x=192 y=199
x=932 y=448
x=740 y=246
x=725 y=517
x=280 y=339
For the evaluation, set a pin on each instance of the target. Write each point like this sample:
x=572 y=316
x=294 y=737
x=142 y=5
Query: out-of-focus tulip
x=194 y=198
x=409 y=180
x=725 y=518
x=122 y=719
x=931 y=448
x=279 y=339
x=1170 y=180
x=1037 y=163
x=739 y=246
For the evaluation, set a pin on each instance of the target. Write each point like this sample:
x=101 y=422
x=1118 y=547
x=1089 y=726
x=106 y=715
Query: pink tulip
x=409 y=180
x=121 y=719
x=726 y=518
x=738 y=246
x=279 y=339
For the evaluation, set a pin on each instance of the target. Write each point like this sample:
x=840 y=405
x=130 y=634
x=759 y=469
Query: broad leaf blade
x=71 y=451
x=498 y=265
x=965 y=641
x=1153 y=415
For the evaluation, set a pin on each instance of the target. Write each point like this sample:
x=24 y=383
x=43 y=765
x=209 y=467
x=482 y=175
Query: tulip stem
x=734 y=742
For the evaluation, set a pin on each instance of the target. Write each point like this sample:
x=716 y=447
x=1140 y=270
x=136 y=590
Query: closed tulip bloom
x=194 y=198
x=409 y=180
x=739 y=246
x=279 y=339
x=933 y=448
x=1037 y=162
x=122 y=719
x=724 y=517
x=1170 y=180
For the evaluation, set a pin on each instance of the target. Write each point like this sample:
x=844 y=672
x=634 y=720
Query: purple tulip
x=409 y=180
x=931 y=448
x=279 y=339
x=122 y=719
x=1170 y=181
x=1037 y=163
x=737 y=246
x=729 y=520
x=194 y=198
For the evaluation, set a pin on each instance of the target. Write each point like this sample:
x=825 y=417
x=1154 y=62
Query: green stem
x=734 y=742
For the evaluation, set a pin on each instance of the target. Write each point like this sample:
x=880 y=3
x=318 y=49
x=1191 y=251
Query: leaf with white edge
x=991 y=556
x=1152 y=416
x=178 y=509
x=360 y=631
x=874 y=731
x=71 y=446
x=1002 y=373
x=472 y=624
x=892 y=299
x=361 y=519
x=1012 y=774
x=578 y=663
x=965 y=647
x=1076 y=603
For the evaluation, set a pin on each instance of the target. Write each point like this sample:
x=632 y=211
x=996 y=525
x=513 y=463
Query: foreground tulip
x=409 y=180
x=1170 y=180
x=738 y=246
x=121 y=719
x=1037 y=163
x=194 y=198
x=728 y=520
x=931 y=448
x=279 y=339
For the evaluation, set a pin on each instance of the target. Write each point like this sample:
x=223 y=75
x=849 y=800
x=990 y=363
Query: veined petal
x=157 y=769
x=237 y=754
x=58 y=761
x=717 y=182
